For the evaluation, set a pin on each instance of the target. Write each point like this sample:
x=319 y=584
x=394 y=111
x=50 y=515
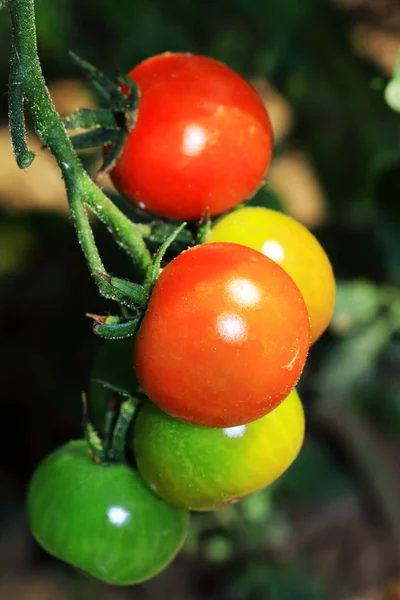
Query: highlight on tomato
x=225 y=336
x=202 y=138
x=293 y=247
x=200 y=468
x=102 y=519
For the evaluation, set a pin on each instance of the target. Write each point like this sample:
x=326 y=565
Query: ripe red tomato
x=293 y=247
x=225 y=336
x=202 y=138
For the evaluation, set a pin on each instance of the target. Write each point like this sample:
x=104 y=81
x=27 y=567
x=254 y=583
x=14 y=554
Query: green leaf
x=357 y=303
x=351 y=361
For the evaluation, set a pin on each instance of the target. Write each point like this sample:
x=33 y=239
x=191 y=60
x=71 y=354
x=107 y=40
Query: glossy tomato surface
x=225 y=336
x=293 y=247
x=202 y=138
x=104 y=520
x=202 y=468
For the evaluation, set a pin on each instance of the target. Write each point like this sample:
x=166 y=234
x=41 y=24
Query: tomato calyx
x=155 y=269
x=132 y=296
x=107 y=127
x=113 y=327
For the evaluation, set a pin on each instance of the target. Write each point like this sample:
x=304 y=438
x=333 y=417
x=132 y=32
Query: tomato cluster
x=220 y=347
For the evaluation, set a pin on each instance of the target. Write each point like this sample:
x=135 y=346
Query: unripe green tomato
x=104 y=520
x=200 y=468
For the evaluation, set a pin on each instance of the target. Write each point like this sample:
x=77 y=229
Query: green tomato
x=202 y=468
x=102 y=519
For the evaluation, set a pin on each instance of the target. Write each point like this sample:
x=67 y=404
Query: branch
x=27 y=83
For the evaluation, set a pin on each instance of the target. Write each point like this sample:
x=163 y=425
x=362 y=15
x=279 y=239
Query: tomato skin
x=104 y=520
x=202 y=138
x=293 y=247
x=201 y=468
x=225 y=336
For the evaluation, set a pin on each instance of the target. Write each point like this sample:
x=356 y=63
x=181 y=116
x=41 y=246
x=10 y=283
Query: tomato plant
x=225 y=336
x=102 y=519
x=111 y=372
x=202 y=468
x=293 y=247
x=202 y=138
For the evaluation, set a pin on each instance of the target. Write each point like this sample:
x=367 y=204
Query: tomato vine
x=27 y=85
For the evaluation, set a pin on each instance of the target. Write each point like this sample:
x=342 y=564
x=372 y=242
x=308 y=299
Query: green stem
x=26 y=81
x=119 y=437
x=23 y=155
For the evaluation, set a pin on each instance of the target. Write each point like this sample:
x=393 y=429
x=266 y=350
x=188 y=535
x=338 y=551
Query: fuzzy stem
x=27 y=82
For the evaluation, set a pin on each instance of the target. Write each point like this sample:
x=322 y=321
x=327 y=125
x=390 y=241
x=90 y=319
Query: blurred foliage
x=327 y=528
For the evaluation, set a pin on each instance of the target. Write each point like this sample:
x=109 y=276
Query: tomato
x=202 y=138
x=293 y=247
x=202 y=468
x=225 y=336
x=104 y=520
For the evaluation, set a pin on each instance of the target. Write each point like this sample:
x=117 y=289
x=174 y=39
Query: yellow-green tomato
x=203 y=468
x=293 y=247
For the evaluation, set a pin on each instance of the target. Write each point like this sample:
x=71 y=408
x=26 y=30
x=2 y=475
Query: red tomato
x=202 y=138
x=293 y=247
x=225 y=336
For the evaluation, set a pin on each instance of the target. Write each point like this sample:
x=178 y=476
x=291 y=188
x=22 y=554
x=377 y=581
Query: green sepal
x=136 y=293
x=114 y=328
x=88 y=118
x=107 y=88
x=155 y=233
x=203 y=228
x=114 y=153
x=95 y=138
x=112 y=387
x=131 y=100
x=125 y=292
x=154 y=271
x=128 y=123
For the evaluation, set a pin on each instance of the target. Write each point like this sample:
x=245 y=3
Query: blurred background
x=330 y=527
